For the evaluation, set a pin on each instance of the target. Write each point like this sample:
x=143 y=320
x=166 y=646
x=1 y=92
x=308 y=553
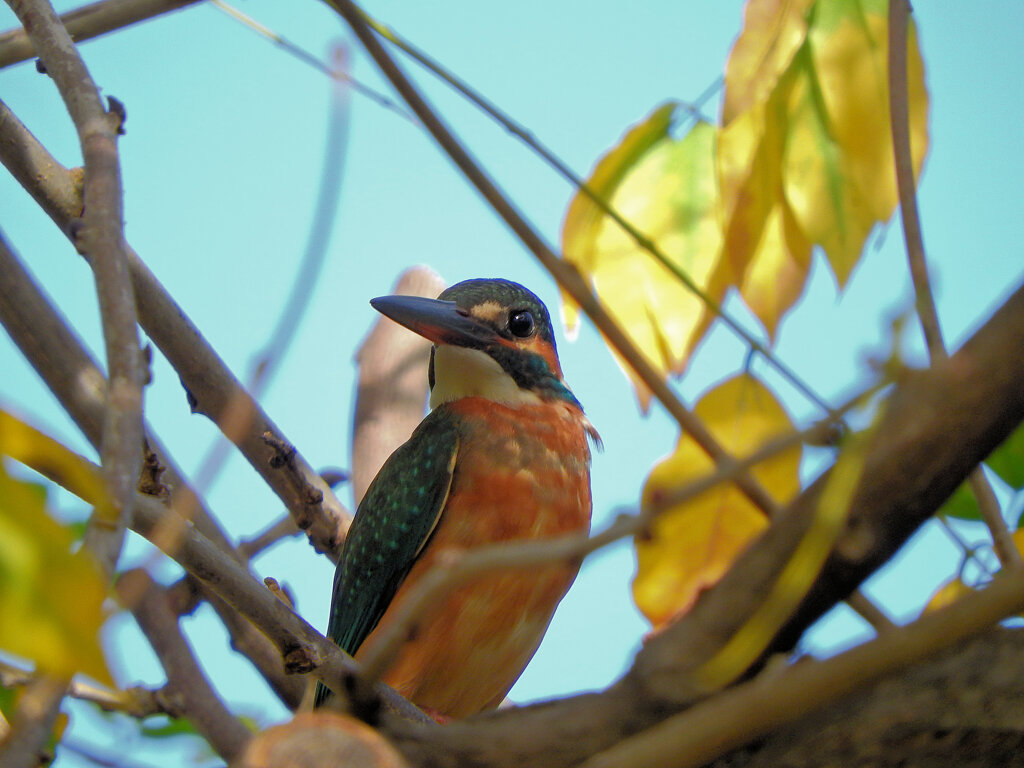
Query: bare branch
x=214 y=388
x=101 y=240
x=899 y=110
x=392 y=389
x=185 y=679
x=137 y=702
x=87 y=22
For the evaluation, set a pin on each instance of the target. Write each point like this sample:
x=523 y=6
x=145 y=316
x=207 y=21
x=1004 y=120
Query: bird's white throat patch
x=460 y=372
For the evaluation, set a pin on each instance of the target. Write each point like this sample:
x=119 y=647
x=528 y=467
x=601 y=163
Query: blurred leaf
x=8 y=697
x=955 y=588
x=805 y=154
x=692 y=544
x=50 y=598
x=962 y=504
x=947 y=594
x=1007 y=460
x=168 y=727
x=665 y=188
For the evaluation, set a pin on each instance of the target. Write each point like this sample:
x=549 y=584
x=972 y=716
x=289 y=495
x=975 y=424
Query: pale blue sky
x=221 y=159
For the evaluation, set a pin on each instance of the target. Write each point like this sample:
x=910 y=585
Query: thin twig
x=712 y=728
x=87 y=22
x=200 y=703
x=331 y=70
x=204 y=374
x=136 y=702
x=101 y=240
x=899 y=110
x=567 y=276
x=644 y=242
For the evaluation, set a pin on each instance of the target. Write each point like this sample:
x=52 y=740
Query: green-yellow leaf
x=693 y=544
x=962 y=504
x=1007 y=460
x=665 y=188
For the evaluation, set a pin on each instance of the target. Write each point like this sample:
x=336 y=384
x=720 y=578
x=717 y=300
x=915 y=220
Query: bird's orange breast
x=521 y=473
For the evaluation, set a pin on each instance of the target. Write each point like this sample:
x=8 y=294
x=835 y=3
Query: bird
x=503 y=455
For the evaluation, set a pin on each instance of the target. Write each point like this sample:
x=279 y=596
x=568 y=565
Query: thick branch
x=938 y=425
x=101 y=240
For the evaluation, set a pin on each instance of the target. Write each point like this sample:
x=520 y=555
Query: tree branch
x=23 y=746
x=759 y=706
x=185 y=680
x=101 y=240
x=87 y=22
x=214 y=388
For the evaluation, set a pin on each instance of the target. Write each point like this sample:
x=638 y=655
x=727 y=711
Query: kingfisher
x=503 y=455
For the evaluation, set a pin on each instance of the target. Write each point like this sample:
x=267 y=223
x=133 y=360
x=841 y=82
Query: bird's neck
x=461 y=372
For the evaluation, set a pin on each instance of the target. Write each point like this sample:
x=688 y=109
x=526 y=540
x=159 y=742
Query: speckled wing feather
x=392 y=524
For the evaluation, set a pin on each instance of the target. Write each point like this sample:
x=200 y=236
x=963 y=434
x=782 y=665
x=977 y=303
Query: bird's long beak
x=440 y=321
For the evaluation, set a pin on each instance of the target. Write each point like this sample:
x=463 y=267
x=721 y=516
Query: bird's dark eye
x=521 y=323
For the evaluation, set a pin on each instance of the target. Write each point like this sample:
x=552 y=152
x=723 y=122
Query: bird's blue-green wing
x=392 y=524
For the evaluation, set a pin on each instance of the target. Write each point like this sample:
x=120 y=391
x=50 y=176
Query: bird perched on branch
x=502 y=456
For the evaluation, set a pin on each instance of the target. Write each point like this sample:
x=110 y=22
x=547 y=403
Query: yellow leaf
x=50 y=597
x=773 y=30
x=947 y=594
x=805 y=152
x=954 y=589
x=762 y=243
x=665 y=188
x=693 y=544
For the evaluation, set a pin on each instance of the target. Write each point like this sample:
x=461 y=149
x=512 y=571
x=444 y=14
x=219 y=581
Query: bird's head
x=492 y=339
